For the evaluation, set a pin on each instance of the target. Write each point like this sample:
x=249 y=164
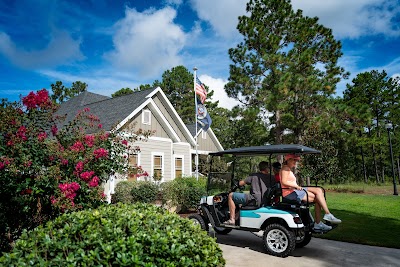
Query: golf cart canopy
x=267 y=150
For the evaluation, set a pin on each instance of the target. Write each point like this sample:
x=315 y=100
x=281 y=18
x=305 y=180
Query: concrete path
x=245 y=249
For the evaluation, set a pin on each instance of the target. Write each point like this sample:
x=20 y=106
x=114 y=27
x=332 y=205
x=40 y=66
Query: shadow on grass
x=365 y=229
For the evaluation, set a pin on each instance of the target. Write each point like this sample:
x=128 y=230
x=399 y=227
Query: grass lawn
x=367 y=218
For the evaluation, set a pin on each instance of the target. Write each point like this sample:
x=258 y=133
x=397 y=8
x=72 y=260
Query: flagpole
x=195 y=114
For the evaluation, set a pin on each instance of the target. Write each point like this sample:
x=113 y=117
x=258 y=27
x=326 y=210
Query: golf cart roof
x=267 y=150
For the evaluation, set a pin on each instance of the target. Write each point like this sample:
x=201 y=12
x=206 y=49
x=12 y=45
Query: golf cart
x=285 y=224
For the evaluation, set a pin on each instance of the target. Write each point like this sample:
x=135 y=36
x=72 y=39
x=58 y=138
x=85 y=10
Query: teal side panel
x=256 y=213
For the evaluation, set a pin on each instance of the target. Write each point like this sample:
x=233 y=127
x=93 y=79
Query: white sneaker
x=322 y=227
x=332 y=219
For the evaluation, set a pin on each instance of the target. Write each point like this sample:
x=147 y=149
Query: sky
x=113 y=44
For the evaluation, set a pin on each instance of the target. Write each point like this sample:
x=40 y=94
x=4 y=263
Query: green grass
x=366 y=218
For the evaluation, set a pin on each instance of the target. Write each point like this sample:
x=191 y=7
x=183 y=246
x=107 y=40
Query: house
x=169 y=152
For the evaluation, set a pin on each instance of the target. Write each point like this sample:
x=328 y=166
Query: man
x=259 y=183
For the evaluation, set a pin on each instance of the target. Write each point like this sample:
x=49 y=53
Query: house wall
x=206 y=144
x=136 y=122
x=182 y=149
x=171 y=121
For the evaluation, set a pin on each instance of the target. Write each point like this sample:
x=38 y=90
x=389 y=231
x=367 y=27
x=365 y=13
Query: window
x=146 y=117
x=203 y=134
x=133 y=161
x=178 y=167
x=157 y=167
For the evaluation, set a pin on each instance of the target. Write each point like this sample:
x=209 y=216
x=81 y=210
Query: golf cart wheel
x=278 y=240
x=304 y=242
x=222 y=231
x=198 y=220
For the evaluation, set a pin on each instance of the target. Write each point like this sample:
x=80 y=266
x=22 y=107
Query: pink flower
x=28 y=163
x=21 y=133
x=53 y=200
x=94 y=182
x=100 y=153
x=69 y=190
x=86 y=175
x=79 y=167
x=100 y=126
x=89 y=140
x=86 y=109
x=124 y=142
x=77 y=147
x=42 y=136
x=29 y=101
x=54 y=130
x=41 y=99
x=64 y=161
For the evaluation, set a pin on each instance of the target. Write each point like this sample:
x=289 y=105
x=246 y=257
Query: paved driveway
x=245 y=249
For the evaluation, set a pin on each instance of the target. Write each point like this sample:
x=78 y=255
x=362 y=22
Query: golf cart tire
x=305 y=241
x=222 y=231
x=198 y=219
x=278 y=240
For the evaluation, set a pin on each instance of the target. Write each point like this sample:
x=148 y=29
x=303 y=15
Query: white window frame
x=183 y=164
x=146 y=114
x=162 y=164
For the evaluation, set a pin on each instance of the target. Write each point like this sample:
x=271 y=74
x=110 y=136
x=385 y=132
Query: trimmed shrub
x=144 y=191
x=184 y=192
x=135 y=191
x=116 y=235
x=123 y=192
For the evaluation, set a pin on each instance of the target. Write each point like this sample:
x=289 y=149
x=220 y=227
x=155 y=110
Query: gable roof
x=192 y=130
x=115 y=112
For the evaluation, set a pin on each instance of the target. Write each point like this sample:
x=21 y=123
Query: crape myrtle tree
x=46 y=170
x=286 y=65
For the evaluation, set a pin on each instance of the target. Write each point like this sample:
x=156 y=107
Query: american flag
x=201 y=90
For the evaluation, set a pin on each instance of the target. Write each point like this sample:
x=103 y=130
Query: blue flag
x=203 y=118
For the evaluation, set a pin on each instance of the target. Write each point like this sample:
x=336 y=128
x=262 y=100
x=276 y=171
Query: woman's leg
x=312 y=198
x=319 y=198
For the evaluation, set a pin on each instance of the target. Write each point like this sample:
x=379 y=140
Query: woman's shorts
x=297 y=195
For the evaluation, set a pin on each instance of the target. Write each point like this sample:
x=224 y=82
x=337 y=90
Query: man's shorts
x=297 y=195
x=239 y=198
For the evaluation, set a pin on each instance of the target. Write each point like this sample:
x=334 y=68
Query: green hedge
x=116 y=235
x=135 y=191
x=184 y=192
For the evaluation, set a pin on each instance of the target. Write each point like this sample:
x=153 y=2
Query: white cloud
x=217 y=84
x=173 y=2
x=355 y=18
x=61 y=50
x=147 y=42
x=222 y=14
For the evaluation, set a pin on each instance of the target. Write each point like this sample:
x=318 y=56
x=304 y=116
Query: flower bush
x=116 y=235
x=48 y=166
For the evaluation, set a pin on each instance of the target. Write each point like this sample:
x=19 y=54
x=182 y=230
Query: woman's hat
x=292 y=156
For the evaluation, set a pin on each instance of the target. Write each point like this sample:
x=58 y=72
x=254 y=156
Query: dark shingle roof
x=110 y=111
x=192 y=129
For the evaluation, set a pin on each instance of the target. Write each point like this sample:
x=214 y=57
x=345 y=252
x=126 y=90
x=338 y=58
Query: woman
x=292 y=191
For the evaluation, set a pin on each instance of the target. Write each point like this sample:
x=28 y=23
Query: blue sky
x=111 y=44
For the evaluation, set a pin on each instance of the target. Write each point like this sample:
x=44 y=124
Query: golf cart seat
x=251 y=205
